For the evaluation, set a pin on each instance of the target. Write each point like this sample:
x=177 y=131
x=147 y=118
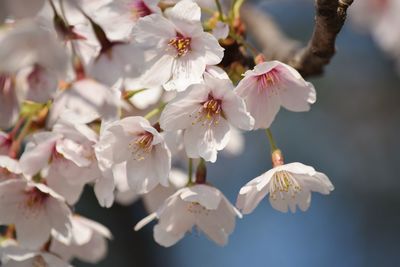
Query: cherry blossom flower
x=35 y=210
x=69 y=153
x=116 y=61
x=200 y=205
x=118 y=17
x=12 y=255
x=206 y=112
x=27 y=44
x=9 y=104
x=134 y=141
x=179 y=49
x=35 y=83
x=156 y=197
x=270 y=85
x=288 y=186
x=88 y=241
x=78 y=97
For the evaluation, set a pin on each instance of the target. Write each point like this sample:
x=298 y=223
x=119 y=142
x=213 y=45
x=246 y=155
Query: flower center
x=209 y=112
x=196 y=208
x=283 y=183
x=268 y=80
x=35 y=198
x=181 y=44
x=38 y=261
x=142 y=146
x=139 y=9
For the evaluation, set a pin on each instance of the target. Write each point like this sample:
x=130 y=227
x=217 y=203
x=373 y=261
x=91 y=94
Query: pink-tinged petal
x=37 y=156
x=142 y=177
x=59 y=216
x=94 y=251
x=207 y=196
x=236 y=113
x=207 y=45
x=263 y=107
x=205 y=141
x=221 y=30
x=279 y=204
x=71 y=192
x=104 y=190
x=186 y=70
x=36 y=84
x=210 y=226
x=122 y=60
x=28 y=44
x=159 y=72
x=185 y=16
x=11 y=195
x=253 y=192
x=181 y=112
x=186 y=11
x=217 y=72
x=33 y=227
x=162 y=162
x=120 y=146
x=148 y=33
x=71 y=151
x=79 y=99
x=295 y=93
x=166 y=238
x=304 y=200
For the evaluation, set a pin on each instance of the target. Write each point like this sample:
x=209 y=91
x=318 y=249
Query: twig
x=311 y=59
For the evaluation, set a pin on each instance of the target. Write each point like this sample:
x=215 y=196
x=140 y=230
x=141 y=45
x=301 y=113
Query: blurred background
x=351 y=134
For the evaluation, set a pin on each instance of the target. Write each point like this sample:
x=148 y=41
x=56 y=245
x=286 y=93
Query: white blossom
x=206 y=112
x=35 y=210
x=200 y=205
x=270 y=85
x=134 y=141
x=88 y=241
x=288 y=186
x=178 y=48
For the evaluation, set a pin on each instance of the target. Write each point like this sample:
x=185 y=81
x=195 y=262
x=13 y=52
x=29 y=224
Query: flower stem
x=155 y=111
x=201 y=172
x=271 y=140
x=16 y=144
x=219 y=7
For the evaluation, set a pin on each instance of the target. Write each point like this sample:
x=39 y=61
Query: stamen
x=268 y=81
x=208 y=113
x=196 y=208
x=283 y=183
x=35 y=198
x=181 y=44
x=142 y=146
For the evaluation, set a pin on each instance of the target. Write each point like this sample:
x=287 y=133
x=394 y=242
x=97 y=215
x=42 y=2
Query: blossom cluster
x=118 y=95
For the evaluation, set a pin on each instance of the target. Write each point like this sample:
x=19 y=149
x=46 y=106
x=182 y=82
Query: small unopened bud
x=277 y=158
x=259 y=59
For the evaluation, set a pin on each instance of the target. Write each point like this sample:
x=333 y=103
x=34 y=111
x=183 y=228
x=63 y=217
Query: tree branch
x=311 y=59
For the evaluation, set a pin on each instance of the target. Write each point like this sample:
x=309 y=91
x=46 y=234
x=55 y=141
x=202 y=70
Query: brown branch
x=311 y=59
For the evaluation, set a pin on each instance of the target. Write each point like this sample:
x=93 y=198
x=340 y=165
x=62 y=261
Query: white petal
x=104 y=190
x=207 y=196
